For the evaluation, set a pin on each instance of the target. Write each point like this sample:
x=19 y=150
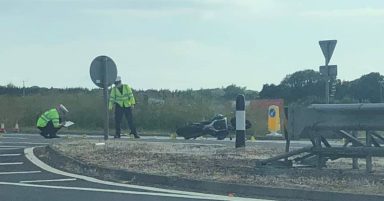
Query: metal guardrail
x=318 y=122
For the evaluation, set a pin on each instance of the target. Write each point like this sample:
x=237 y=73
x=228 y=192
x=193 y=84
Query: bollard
x=16 y=129
x=2 y=128
x=240 y=121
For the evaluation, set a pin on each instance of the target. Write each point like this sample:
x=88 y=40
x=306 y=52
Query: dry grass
x=219 y=162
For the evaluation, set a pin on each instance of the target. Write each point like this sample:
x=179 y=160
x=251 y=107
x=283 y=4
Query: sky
x=186 y=44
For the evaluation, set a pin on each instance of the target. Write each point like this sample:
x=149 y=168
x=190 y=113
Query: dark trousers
x=119 y=112
x=49 y=130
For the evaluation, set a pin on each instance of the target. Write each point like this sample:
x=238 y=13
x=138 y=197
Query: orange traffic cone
x=2 y=128
x=16 y=129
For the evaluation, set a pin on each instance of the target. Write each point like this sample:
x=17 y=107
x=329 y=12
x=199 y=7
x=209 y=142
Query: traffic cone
x=253 y=139
x=2 y=128
x=16 y=129
x=173 y=136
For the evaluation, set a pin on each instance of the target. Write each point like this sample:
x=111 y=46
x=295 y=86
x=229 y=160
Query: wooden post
x=369 y=157
x=355 y=161
x=319 y=156
x=287 y=141
x=287 y=145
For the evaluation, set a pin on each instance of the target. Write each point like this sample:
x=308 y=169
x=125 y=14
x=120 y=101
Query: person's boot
x=44 y=135
x=54 y=136
x=136 y=135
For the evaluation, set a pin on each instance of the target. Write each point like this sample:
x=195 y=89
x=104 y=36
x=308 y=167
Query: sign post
x=103 y=73
x=381 y=85
x=327 y=47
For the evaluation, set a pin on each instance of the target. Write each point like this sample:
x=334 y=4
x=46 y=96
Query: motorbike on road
x=218 y=127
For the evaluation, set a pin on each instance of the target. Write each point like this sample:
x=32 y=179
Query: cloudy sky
x=180 y=44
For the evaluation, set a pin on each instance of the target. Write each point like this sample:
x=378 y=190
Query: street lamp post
x=381 y=85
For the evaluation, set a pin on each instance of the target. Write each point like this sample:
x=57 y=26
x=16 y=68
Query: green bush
x=155 y=110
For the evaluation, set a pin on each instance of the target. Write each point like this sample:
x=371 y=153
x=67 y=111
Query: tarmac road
x=24 y=177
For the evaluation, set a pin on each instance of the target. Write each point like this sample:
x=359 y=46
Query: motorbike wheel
x=190 y=131
x=222 y=135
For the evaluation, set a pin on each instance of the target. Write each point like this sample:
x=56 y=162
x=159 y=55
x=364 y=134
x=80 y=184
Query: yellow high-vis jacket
x=125 y=99
x=50 y=115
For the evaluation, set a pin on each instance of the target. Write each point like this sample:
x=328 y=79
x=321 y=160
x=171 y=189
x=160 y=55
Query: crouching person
x=51 y=121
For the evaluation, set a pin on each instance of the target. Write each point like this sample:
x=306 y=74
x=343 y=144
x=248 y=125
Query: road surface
x=24 y=177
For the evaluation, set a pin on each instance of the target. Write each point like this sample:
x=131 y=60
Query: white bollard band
x=240 y=120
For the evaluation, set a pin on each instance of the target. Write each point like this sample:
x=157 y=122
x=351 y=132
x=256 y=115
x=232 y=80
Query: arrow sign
x=327 y=46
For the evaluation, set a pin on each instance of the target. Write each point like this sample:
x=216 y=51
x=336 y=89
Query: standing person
x=124 y=101
x=52 y=121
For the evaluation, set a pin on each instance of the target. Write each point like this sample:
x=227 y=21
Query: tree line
x=308 y=86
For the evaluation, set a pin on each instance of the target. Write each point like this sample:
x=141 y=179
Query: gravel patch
x=219 y=162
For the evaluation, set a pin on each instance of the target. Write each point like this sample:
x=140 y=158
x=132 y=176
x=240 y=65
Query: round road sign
x=103 y=67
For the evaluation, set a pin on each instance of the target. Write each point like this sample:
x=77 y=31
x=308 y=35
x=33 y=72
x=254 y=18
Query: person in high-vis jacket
x=52 y=121
x=122 y=98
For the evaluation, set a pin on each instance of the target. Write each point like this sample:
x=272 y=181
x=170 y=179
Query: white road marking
x=9 y=155
x=19 y=138
x=5 y=146
x=30 y=156
x=9 y=148
x=48 y=180
x=15 y=163
x=120 y=191
x=25 y=172
x=18 y=134
x=34 y=143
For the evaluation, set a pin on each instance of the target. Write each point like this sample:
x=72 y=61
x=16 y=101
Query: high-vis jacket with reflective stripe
x=124 y=99
x=50 y=115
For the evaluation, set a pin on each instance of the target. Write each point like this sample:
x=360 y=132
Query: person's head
x=62 y=109
x=118 y=81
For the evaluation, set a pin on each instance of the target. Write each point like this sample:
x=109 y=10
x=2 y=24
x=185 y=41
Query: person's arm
x=132 y=100
x=55 y=118
x=112 y=98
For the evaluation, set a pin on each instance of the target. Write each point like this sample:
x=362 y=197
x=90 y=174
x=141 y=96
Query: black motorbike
x=217 y=127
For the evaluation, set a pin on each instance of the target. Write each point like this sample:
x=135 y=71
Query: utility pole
x=381 y=85
x=23 y=88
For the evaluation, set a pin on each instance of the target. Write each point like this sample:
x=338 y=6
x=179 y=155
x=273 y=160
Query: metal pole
x=326 y=90
x=355 y=161
x=327 y=84
x=105 y=96
x=23 y=88
x=381 y=84
x=240 y=121
x=368 y=159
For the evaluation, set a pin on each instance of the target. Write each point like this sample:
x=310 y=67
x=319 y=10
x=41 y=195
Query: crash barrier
x=319 y=122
